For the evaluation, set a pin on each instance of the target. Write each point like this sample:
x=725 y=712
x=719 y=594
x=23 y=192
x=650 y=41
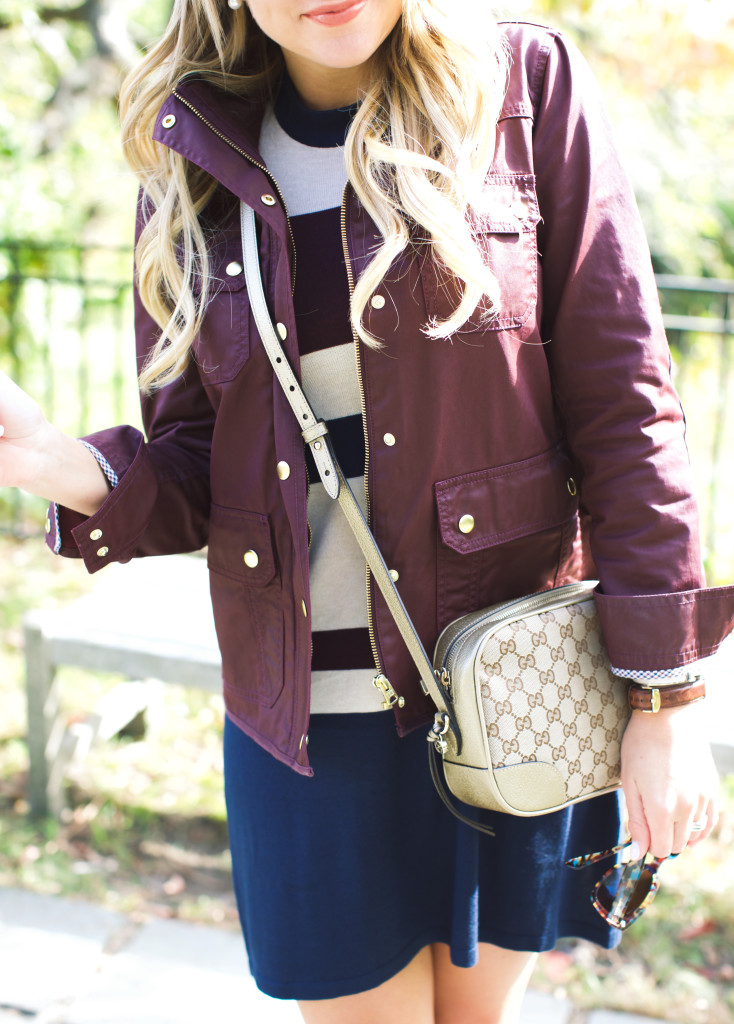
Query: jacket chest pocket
x=222 y=346
x=505 y=231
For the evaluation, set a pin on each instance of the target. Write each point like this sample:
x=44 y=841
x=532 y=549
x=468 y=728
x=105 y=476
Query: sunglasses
x=624 y=892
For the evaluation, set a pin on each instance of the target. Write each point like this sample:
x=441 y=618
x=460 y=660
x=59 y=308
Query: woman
x=509 y=358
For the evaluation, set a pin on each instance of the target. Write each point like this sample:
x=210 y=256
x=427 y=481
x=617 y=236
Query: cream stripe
x=337 y=566
x=329 y=378
x=311 y=178
x=346 y=691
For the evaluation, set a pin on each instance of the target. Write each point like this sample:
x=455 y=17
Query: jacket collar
x=218 y=131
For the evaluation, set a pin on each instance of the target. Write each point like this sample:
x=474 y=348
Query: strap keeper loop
x=311 y=434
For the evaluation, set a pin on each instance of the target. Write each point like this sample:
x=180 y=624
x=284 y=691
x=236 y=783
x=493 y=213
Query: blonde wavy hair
x=417 y=155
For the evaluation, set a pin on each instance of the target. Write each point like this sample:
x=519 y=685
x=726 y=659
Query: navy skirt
x=342 y=878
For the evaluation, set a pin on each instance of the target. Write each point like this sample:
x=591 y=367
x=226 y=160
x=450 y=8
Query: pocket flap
x=240 y=546
x=226 y=265
x=493 y=506
x=507 y=206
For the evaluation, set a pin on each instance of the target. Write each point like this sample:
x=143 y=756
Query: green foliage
x=62 y=176
x=665 y=69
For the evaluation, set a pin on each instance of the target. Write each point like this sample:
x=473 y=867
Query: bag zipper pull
x=391 y=697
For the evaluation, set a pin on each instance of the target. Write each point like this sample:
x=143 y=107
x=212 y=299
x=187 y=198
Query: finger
x=636 y=819
x=660 y=823
x=706 y=817
x=699 y=823
x=682 y=831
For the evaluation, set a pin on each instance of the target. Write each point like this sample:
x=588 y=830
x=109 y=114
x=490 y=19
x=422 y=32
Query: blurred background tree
x=666 y=68
x=62 y=177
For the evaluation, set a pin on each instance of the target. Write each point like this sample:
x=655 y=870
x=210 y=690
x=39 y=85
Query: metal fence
x=66 y=328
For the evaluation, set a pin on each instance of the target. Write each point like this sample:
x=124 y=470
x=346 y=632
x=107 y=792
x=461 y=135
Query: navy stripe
x=336 y=649
x=347 y=437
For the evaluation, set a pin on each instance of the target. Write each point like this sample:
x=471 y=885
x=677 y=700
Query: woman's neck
x=325 y=88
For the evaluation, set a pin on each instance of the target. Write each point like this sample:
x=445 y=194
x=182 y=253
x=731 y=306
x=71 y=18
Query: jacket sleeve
x=610 y=369
x=160 y=502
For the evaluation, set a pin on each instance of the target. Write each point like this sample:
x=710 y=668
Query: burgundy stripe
x=337 y=649
x=321 y=298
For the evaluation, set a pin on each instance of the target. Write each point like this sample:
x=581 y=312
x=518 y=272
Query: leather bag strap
x=447 y=797
x=316 y=435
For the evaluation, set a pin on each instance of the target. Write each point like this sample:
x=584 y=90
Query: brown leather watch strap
x=653 y=698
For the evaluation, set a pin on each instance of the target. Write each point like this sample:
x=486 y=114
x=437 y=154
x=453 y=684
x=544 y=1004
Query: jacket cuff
x=648 y=632
x=112 y=533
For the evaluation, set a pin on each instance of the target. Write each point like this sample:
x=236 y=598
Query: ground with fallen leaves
x=145 y=833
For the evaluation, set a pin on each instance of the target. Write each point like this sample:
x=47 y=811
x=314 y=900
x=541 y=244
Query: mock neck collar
x=319 y=128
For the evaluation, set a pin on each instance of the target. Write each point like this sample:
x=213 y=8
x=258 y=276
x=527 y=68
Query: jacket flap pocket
x=240 y=546
x=493 y=506
x=508 y=205
x=226 y=265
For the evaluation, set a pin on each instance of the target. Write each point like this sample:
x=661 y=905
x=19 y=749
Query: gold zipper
x=380 y=681
x=276 y=186
x=255 y=163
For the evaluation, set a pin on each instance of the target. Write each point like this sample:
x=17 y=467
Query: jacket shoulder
x=529 y=46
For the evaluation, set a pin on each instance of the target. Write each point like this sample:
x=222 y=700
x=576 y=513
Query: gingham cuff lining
x=667 y=675
x=57 y=524
x=103 y=464
x=108 y=471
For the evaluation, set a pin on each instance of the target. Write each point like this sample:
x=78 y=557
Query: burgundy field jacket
x=555 y=425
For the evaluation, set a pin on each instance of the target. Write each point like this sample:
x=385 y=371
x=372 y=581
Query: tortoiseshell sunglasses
x=624 y=892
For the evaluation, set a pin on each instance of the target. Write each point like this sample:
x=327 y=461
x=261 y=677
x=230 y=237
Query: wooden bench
x=152 y=619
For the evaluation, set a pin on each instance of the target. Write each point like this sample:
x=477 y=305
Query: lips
x=336 y=13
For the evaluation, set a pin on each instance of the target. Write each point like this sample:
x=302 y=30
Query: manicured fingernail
x=634 y=851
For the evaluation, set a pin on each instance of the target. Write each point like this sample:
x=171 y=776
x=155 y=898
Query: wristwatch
x=653 y=698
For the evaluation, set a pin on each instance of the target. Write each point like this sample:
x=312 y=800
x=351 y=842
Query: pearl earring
x=234 y=4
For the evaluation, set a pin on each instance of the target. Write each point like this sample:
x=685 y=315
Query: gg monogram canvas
x=548 y=695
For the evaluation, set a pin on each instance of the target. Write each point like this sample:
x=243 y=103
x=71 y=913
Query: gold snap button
x=283 y=470
x=377 y=301
x=251 y=559
x=169 y=121
x=282 y=331
x=102 y=552
x=267 y=199
x=233 y=269
x=389 y=439
x=95 y=535
x=466 y=524
x=304 y=609
x=394 y=575
x=571 y=485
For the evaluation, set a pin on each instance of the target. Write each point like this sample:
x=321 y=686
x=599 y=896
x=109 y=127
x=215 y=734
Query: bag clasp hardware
x=391 y=697
x=441 y=725
x=444 y=678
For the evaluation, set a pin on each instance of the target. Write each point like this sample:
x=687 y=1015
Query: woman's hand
x=36 y=456
x=23 y=429
x=669 y=779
